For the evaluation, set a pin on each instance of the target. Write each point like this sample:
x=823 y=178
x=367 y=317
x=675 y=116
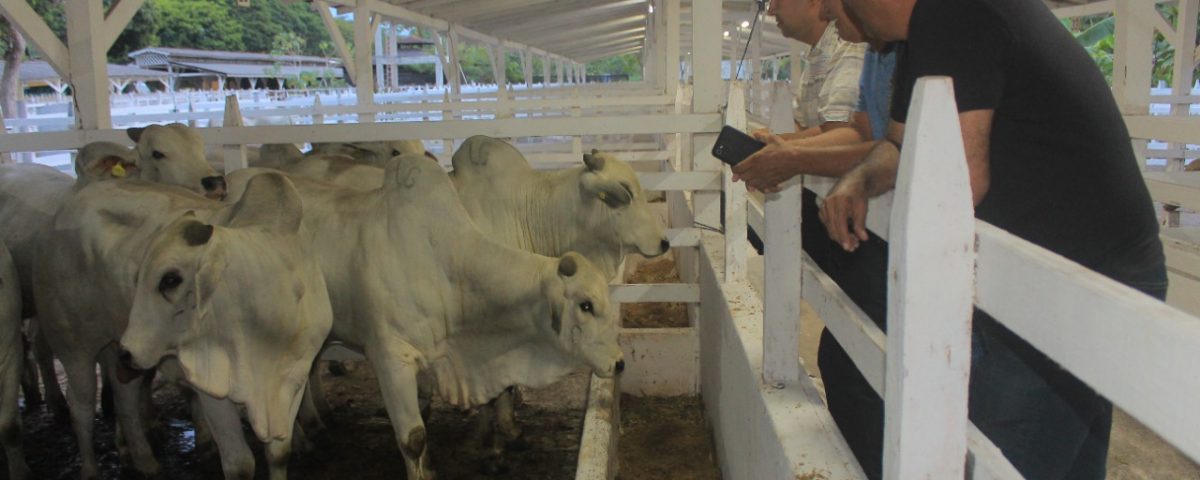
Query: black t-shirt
x=1063 y=172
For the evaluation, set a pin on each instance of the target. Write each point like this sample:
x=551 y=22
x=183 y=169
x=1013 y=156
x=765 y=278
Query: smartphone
x=733 y=146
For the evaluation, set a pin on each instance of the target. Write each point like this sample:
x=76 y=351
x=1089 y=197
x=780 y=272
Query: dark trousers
x=1048 y=423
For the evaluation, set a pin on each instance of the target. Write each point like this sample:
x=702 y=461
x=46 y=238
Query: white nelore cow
x=417 y=287
x=31 y=194
x=597 y=209
x=374 y=153
x=241 y=307
x=12 y=355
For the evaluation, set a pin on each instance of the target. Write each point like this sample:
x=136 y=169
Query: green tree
x=628 y=64
x=141 y=32
x=201 y=24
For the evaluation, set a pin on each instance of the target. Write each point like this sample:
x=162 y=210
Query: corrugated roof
x=40 y=71
x=242 y=70
x=226 y=56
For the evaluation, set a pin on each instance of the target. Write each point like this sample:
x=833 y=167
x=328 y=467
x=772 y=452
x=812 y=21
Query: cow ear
x=196 y=233
x=101 y=160
x=270 y=199
x=611 y=192
x=593 y=161
x=135 y=133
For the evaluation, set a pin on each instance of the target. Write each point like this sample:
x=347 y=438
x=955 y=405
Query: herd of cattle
x=460 y=284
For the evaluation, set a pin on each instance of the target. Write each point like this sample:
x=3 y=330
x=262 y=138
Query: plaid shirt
x=828 y=88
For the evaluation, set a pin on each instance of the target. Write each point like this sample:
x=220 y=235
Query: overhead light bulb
x=726 y=33
x=745 y=23
x=651 y=8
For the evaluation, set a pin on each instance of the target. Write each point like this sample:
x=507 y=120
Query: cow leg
x=396 y=366
x=237 y=462
x=317 y=390
x=12 y=357
x=45 y=362
x=126 y=399
x=206 y=446
x=506 y=416
x=278 y=453
x=81 y=400
x=309 y=416
x=28 y=371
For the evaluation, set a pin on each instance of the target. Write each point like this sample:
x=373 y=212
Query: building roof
x=40 y=71
x=243 y=70
x=220 y=56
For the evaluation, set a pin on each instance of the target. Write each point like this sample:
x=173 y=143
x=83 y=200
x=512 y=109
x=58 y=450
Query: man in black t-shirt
x=1050 y=161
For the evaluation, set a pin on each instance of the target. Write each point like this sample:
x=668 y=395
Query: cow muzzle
x=126 y=371
x=214 y=187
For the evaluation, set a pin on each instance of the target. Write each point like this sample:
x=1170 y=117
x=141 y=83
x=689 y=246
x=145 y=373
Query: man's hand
x=769 y=167
x=845 y=211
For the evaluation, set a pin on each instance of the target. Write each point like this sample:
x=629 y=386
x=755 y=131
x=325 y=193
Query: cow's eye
x=586 y=306
x=169 y=281
x=395 y=153
x=158 y=155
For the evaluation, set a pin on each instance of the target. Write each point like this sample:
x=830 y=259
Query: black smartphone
x=733 y=146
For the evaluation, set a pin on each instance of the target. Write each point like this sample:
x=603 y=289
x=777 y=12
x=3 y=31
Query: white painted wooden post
x=379 y=59
x=4 y=156
x=318 y=116
x=235 y=155
x=499 y=59
x=735 y=193
x=364 y=86
x=671 y=8
x=454 y=70
x=88 y=64
x=783 y=271
x=546 y=71
x=707 y=93
x=322 y=8
x=1133 y=38
x=1183 y=40
x=930 y=294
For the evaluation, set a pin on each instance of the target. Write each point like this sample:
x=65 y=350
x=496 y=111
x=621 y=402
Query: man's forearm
x=830 y=161
x=878 y=171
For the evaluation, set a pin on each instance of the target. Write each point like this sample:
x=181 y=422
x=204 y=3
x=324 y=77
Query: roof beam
x=605 y=49
x=22 y=17
x=553 y=28
x=561 y=11
x=335 y=34
x=601 y=56
x=566 y=43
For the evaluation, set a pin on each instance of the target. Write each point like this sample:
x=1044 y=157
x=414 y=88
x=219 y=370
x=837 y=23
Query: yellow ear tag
x=602 y=196
x=118 y=171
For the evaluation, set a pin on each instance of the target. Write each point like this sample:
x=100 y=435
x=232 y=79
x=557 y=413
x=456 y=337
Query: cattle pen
x=740 y=352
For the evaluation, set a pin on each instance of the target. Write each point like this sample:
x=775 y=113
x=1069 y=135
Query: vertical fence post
x=735 y=193
x=930 y=294
x=235 y=154
x=4 y=156
x=318 y=115
x=783 y=271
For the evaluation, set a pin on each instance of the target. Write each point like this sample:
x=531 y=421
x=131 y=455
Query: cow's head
x=242 y=307
x=105 y=160
x=614 y=207
x=584 y=321
x=174 y=155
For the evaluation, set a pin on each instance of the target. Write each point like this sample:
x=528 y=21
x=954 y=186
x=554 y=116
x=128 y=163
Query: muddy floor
x=658 y=435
